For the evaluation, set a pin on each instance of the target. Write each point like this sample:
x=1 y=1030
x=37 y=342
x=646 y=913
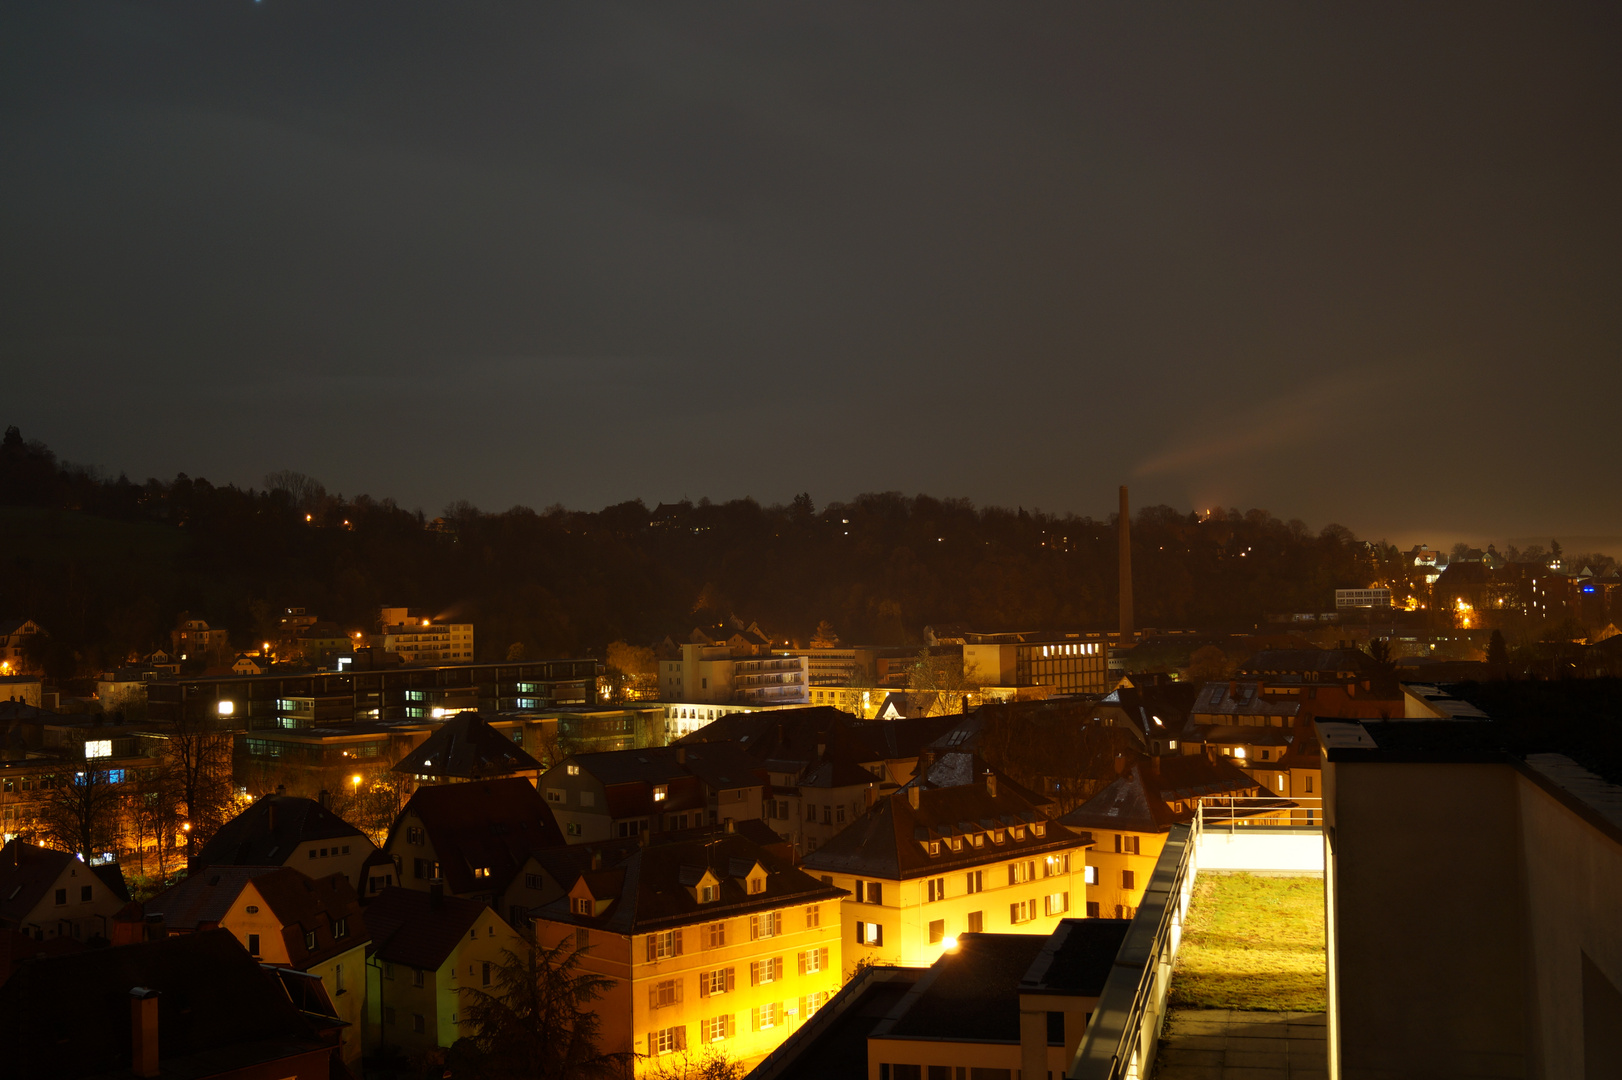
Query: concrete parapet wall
x=1261 y=850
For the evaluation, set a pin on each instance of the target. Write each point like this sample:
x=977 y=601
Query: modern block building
x=1062 y=663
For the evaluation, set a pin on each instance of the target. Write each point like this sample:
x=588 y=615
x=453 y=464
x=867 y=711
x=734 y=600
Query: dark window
x=1092 y=909
x=907 y=1072
x=84 y=892
x=486 y=978
x=1128 y=879
x=418 y=1024
x=1055 y=1029
x=61 y=896
x=253 y=944
x=977 y=921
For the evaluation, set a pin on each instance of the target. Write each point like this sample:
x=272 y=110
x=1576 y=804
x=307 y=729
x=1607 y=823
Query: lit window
x=95 y=748
x=659 y=793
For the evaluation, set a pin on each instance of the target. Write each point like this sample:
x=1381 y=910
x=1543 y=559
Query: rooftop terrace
x=1248 y=992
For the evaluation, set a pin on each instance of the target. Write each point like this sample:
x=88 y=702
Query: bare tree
x=946 y=677
x=199 y=753
x=81 y=812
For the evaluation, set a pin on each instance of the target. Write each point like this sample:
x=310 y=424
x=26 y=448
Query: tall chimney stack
x=1125 y=526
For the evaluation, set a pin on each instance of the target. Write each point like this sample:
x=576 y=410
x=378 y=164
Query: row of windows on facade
x=723 y=980
x=671 y=943
x=778 y=809
x=1020 y=911
x=872 y=892
x=673 y=1039
x=955 y=843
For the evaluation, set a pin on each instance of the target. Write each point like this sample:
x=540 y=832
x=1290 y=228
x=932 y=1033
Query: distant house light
x=226 y=708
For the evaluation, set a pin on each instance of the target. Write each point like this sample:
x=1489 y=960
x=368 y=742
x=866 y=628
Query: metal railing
x=1120 y=1040
x=1124 y=1031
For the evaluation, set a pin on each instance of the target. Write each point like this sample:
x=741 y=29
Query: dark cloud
x=1352 y=264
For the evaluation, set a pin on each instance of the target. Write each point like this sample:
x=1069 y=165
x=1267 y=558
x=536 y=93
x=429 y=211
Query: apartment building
x=926 y=864
x=1062 y=663
x=1130 y=819
x=426 y=946
x=713 y=942
x=424 y=641
x=284 y=918
x=718 y=674
x=475 y=840
x=623 y=793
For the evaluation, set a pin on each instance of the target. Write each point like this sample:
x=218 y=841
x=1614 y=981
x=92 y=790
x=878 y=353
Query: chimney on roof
x=281 y=789
x=324 y=798
x=991 y=783
x=270 y=816
x=1125 y=526
x=143 y=1031
x=1120 y=764
x=436 y=893
x=912 y=795
x=1233 y=689
x=596 y=860
x=681 y=755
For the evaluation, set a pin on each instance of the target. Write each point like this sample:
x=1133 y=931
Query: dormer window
x=979 y=839
x=572 y=770
x=581 y=905
x=481 y=871
x=660 y=792
x=997 y=837
x=957 y=843
x=1019 y=832
x=757 y=884
x=1040 y=829
x=934 y=847
x=708 y=894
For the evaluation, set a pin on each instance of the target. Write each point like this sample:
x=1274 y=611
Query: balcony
x=1221 y=975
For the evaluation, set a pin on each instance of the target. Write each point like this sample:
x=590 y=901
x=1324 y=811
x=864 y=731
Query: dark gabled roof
x=794 y=734
x=249 y=839
x=200 y=900
x=1077 y=958
x=26 y=872
x=720 y=766
x=957 y=768
x=1254 y=734
x=652 y=886
x=408 y=927
x=112 y=876
x=218 y=1010
x=1300 y=661
x=1305 y=751
x=887 y=841
x=971 y=992
x=467 y=748
x=1240 y=698
x=304 y=905
x=1136 y=801
x=489 y=824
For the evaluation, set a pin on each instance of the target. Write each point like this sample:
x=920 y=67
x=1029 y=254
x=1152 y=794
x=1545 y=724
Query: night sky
x=1353 y=263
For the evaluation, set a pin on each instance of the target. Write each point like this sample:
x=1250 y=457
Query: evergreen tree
x=537 y=1021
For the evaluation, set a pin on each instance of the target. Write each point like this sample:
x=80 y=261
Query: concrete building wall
x=1573 y=883
x=1261 y=849
x=1429 y=966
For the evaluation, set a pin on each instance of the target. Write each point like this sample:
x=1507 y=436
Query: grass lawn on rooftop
x=1253 y=943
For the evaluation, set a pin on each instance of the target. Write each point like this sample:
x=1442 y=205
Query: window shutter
x=878 y=937
x=653 y=998
x=704 y=984
x=681 y=1032
x=650 y=949
x=729 y=979
x=732 y=1025
x=754 y=972
x=1064 y=863
x=822 y=958
x=1067 y=901
x=754 y=1019
x=676 y=937
x=802 y=963
x=875 y=892
x=802 y=1008
x=1010 y=873
x=754 y=927
x=777 y=967
x=1013 y=913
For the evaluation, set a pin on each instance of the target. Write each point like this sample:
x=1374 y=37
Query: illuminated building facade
x=712 y=942
x=926 y=864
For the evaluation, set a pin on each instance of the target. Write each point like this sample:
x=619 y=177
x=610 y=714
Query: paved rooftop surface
x=1232 y=1044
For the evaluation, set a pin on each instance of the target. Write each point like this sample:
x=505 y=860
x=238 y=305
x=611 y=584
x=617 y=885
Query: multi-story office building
x=928 y=863
x=1064 y=663
x=712 y=942
x=716 y=674
x=329 y=698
